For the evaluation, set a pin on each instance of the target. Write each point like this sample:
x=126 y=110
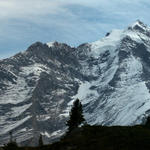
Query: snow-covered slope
x=111 y=77
x=119 y=93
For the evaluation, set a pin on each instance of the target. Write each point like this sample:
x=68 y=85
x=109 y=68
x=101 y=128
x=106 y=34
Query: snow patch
x=50 y=44
x=84 y=93
x=107 y=43
x=12 y=125
x=16 y=93
x=57 y=133
x=36 y=69
x=16 y=111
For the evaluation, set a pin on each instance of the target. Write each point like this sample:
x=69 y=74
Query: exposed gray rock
x=110 y=77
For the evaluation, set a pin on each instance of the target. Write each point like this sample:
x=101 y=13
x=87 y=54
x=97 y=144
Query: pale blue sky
x=23 y=22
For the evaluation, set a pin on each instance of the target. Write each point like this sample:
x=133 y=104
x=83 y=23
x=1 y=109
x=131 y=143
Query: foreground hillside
x=103 y=138
x=106 y=138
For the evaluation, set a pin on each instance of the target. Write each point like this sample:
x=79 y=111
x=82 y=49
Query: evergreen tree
x=11 y=136
x=147 y=122
x=76 y=116
x=40 y=141
x=12 y=143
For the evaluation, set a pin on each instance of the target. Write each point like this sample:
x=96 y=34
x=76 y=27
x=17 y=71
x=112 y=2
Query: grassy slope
x=104 y=138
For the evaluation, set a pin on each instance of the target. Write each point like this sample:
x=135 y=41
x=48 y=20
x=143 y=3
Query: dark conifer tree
x=147 y=122
x=12 y=144
x=40 y=141
x=76 y=116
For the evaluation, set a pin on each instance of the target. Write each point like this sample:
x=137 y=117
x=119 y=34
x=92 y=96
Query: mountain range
x=111 y=77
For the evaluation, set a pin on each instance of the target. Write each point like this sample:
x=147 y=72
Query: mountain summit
x=111 y=77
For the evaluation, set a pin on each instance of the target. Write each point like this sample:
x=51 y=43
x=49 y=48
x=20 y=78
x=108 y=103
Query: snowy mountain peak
x=111 y=77
x=50 y=44
x=137 y=32
x=139 y=26
x=138 y=23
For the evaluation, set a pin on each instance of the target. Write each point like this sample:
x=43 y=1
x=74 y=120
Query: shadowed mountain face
x=111 y=77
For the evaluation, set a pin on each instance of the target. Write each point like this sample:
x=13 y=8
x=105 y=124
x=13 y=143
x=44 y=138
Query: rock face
x=111 y=77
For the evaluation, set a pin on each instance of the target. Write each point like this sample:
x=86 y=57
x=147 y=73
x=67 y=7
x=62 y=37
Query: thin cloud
x=70 y=21
x=29 y=8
